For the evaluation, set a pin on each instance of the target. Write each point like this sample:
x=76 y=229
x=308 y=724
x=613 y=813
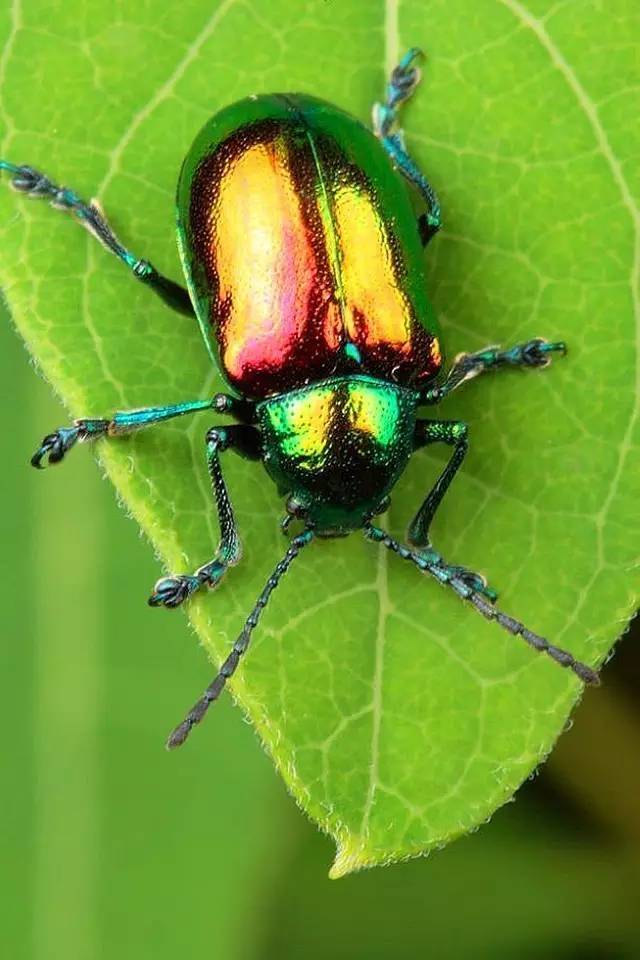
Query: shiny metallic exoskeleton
x=301 y=250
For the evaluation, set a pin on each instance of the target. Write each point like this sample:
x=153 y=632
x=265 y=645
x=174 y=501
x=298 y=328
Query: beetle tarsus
x=405 y=77
x=174 y=590
x=55 y=446
x=475 y=581
x=448 y=571
x=537 y=352
x=534 y=354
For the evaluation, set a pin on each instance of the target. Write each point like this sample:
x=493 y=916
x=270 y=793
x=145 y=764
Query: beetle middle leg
x=404 y=79
x=36 y=184
x=173 y=590
x=455 y=434
x=56 y=445
x=534 y=354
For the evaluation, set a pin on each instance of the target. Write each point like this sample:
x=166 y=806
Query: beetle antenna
x=228 y=668
x=438 y=569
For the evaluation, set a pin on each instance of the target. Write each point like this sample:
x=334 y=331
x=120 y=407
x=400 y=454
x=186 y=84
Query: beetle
x=303 y=256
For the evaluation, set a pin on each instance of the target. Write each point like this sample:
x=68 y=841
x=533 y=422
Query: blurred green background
x=113 y=848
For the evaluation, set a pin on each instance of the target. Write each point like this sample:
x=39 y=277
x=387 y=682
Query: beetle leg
x=404 y=79
x=56 y=445
x=228 y=668
x=173 y=590
x=534 y=354
x=442 y=572
x=36 y=184
x=453 y=433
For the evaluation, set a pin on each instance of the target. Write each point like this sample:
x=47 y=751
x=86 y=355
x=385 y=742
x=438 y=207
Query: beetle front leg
x=534 y=354
x=173 y=590
x=454 y=433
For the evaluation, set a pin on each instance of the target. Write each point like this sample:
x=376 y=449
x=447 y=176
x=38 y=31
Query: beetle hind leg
x=34 y=183
x=173 y=590
x=403 y=81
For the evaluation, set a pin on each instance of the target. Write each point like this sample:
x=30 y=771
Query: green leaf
x=397 y=717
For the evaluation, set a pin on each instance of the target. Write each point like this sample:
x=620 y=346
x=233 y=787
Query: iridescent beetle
x=304 y=262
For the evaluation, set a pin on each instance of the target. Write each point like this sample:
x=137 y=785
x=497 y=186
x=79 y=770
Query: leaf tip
x=350 y=856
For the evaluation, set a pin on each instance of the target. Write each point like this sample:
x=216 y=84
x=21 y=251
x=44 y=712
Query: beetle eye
x=295 y=508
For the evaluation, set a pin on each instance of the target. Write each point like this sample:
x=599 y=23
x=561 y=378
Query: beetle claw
x=537 y=352
x=55 y=446
x=172 y=591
